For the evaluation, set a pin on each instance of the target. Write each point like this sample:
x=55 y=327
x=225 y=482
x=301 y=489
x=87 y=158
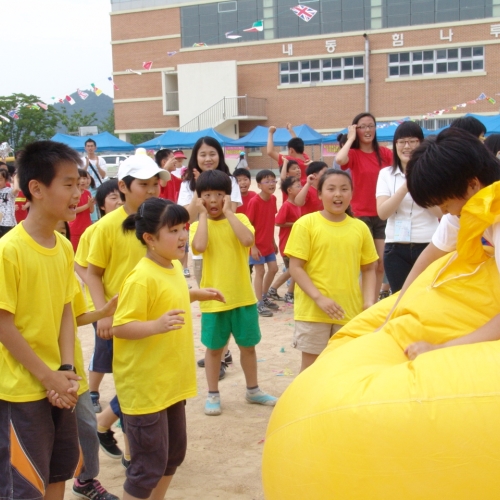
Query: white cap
x=141 y=166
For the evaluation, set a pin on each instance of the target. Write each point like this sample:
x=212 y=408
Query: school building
x=233 y=65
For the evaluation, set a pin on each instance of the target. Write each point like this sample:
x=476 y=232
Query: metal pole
x=367 y=73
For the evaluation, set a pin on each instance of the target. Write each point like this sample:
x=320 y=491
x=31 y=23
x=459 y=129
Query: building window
x=313 y=71
x=436 y=62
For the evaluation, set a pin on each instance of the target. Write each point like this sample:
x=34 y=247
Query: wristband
x=67 y=368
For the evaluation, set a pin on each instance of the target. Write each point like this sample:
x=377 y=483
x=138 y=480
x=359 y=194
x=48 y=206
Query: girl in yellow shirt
x=153 y=363
x=328 y=250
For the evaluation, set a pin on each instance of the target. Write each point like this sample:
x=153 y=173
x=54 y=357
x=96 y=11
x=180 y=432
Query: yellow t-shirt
x=35 y=284
x=81 y=256
x=155 y=372
x=225 y=265
x=115 y=251
x=79 y=306
x=334 y=252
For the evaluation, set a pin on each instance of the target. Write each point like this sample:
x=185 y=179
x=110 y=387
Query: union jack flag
x=305 y=13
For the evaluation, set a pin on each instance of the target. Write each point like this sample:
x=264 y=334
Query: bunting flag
x=97 y=91
x=170 y=54
x=5 y=119
x=83 y=95
x=110 y=78
x=490 y=99
x=70 y=100
x=439 y=112
x=256 y=26
x=13 y=114
x=305 y=13
x=200 y=44
x=147 y=65
x=231 y=36
x=43 y=106
x=133 y=71
x=481 y=97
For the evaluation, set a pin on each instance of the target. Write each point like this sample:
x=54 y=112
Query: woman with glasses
x=365 y=158
x=409 y=227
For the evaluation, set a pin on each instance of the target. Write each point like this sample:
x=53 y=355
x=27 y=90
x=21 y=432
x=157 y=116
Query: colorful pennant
x=305 y=13
x=256 y=26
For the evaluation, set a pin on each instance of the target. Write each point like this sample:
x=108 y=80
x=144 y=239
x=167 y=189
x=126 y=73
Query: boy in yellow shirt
x=222 y=237
x=38 y=437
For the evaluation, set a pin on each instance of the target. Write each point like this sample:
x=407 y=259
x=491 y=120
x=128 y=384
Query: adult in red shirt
x=365 y=158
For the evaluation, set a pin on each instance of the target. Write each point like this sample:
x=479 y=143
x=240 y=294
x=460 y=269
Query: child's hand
x=254 y=252
x=172 y=320
x=200 y=206
x=196 y=173
x=310 y=179
x=110 y=307
x=211 y=294
x=272 y=129
x=413 y=350
x=351 y=132
x=227 y=205
x=275 y=248
x=330 y=307
x=170 y=164
x=63 y=386
x=289 y=127
x=105 y=328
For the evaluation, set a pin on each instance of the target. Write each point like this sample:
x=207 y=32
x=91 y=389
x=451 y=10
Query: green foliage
x=33 y=124
x=72 y=122
x=108 y=124
x=140 y=137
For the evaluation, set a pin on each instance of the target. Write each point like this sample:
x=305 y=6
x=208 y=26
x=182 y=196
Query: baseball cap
x=242 y=153
x=141 y=166
x=179 y=154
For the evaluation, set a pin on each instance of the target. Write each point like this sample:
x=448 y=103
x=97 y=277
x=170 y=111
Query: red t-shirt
x=261 y=214
x=287 y=213
x=82 y=221
x=20 y=202
x=364 y=170
x=242 y=209
x=301 y=163
x=171 y=190
x=313 y=203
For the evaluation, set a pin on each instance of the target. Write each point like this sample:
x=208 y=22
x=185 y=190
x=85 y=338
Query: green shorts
x=242 y=322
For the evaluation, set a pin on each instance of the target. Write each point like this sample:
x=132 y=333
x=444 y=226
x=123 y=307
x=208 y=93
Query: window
x=436 y=62
x=227 y=6
x=321 y=70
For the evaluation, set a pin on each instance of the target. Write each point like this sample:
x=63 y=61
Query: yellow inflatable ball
x=365 y=423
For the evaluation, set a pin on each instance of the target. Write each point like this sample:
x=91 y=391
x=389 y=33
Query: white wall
x=203 y=84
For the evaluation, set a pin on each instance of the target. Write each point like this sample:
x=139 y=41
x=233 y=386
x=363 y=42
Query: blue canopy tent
x=257 y=138
x=105 y=142
x=184 y=140
x=491 y=122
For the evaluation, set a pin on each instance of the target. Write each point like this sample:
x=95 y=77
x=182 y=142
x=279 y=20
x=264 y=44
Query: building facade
x=425 y=59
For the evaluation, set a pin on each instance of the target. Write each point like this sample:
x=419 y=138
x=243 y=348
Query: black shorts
x=376 y=226
x=102 y=358
x=158 y=444
x=38 y=446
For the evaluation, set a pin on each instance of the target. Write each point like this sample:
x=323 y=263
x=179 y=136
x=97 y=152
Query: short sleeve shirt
x=261 y=214
x=98 y=179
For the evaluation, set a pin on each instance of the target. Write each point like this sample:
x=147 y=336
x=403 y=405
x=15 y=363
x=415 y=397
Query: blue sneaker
x=261 y=398
x=212 y=405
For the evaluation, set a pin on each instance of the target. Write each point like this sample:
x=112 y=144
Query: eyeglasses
x=365 y=127
x=411 y=142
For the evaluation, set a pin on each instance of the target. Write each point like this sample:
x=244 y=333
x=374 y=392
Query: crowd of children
x=132 y=265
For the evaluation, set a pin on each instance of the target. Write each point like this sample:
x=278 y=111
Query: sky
x=50 y=48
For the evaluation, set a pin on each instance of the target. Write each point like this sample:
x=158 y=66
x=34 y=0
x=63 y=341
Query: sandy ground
x=224 y=453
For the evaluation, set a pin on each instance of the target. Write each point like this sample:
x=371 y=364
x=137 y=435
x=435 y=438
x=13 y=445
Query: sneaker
x=273 y=294
x=212 y=405
x=94 y=396
x=222 y=372
x=384 y=294
x=93 y=490
x=270 y=304
x=107 y=442
x=228 y=359
x=125 y=462
x=263 y=310
x=261 y=398
x=187 y=274
x=288 y=298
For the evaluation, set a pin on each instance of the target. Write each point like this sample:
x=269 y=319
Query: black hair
x=68 y=231
x=290 y=163
x=263 y=174
x=242 y=171
x=342 y=139
x=83 y=173
x=4 y=174
x=154 y=214
x=89 y=140
x=405 y=129
x=161 y=155
x=492 y=142
x=107 y=187
x=469 y=123
x=287 y=183
x=3 y=163
x=297 y=144
x=441 y=169
x=375 y=145
x=213 y=180
x=315 y=167
x=193 y=161
x=39 y=162
x=329 y=173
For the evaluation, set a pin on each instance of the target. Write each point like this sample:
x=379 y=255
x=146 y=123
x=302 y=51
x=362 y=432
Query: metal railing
x=228 y=108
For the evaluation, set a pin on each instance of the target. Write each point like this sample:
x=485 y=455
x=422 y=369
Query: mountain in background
x=100 y=105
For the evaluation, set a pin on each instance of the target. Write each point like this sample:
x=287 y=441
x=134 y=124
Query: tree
x=72 y=122
x=139 y=137
x=108 y=125
x=33 y=124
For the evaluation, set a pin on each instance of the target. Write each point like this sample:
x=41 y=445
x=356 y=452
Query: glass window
x=428 y=55
x=284 y=67
x=358 y=73
x=306 y=77
x=304 y=65
x=466 y=52
x=294 y=78
x=327 y=75
x=393 y=58
x=428 y=68
x=452 y=66
x=452 y=53
x=284 y=78
x=358 y=61
x=316 y=77
x=348 y=61
x=477 y=65
x=404 y=57
x=466 y=65
x=337 y=75
x=404 y=70
x=315 y=64
x=417 y=69
x=417 y=56
x=477 y=51
x=294 y=66
x=440 y=54
x=441 y=68
x=336 y=63
x=327 y=63
x=348 y=74
x=393 y=71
